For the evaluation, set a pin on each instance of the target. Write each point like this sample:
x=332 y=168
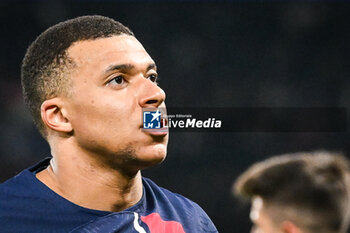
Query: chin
x=152 y=155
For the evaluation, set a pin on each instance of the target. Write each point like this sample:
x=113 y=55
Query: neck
x=87 y=182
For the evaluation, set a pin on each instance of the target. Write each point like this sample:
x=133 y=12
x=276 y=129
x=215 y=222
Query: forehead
x=121 y=49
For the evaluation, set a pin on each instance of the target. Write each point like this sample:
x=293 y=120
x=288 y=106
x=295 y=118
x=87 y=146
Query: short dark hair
x=45 y=65
x=315 y=183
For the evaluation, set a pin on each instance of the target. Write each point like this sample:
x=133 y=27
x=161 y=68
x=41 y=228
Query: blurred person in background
x=85 y=82
x=298 y=193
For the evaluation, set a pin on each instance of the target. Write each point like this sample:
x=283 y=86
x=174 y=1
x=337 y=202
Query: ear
x=289 y=227
x=54 y=115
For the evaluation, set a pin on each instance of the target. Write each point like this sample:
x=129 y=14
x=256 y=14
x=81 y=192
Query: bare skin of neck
x=85 y=182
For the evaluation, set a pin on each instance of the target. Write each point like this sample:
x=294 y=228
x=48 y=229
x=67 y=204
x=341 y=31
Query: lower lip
x=156 y=133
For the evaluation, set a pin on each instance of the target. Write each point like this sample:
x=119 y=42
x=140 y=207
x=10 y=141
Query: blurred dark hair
x=46 y=65
x=314 y=184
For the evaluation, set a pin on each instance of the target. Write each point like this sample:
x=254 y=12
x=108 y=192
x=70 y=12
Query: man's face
x=262 y=222
x=113 y=80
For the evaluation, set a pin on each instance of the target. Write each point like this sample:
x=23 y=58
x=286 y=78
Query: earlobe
x=289 y=227
x=54 y=117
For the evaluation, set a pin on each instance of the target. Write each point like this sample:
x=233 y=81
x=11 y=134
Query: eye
x=153 y=78
x=119 y=80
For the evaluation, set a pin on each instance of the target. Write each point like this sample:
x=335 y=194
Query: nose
x=153 y=96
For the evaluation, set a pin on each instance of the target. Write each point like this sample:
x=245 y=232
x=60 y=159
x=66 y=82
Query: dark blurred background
x=209 y=54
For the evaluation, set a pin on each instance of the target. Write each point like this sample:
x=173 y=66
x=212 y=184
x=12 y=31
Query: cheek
x=104 y=105
x=102 y=126
x=100 y=118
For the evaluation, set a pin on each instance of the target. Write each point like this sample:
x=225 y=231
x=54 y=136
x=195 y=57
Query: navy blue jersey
x=27 y=205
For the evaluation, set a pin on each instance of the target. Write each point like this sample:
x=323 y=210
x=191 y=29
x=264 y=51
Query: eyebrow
x=128 y=67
